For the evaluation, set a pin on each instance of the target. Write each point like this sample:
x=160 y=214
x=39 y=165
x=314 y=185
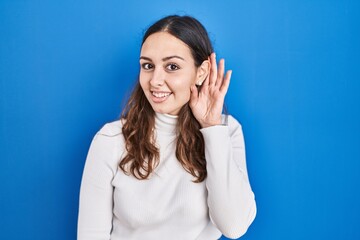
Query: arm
x=96 y=193
x=231 y=201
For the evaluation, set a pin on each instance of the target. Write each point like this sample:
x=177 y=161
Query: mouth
x=159 y=97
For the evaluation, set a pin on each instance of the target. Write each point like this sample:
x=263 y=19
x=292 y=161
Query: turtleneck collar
x=165 y=122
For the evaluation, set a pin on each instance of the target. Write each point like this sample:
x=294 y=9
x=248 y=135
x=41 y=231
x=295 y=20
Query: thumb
x=194 y=94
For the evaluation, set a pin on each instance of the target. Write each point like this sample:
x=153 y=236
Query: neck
x=165 y=122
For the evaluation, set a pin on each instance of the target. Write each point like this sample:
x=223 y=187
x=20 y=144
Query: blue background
x=66 y=66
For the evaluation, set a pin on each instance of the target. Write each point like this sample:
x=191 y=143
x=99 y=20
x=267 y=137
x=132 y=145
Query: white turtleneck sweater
x=168 y=205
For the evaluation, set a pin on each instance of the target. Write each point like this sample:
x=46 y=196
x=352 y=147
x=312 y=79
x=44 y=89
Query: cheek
x=142 y=81
x=181 y=89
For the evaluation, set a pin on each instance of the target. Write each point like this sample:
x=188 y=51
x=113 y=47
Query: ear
x=202 y=72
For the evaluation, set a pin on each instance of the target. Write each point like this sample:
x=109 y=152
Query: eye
x=147 y=66
x=172 y=67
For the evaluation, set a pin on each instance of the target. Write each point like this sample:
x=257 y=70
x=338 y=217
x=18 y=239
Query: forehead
x=163 y=44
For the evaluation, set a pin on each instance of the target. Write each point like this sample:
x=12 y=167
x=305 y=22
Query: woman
x=173 y=167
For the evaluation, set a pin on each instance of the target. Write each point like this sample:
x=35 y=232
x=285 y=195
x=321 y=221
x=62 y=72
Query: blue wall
x=65 y=68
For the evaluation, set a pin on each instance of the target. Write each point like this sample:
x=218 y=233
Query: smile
x=159 y=97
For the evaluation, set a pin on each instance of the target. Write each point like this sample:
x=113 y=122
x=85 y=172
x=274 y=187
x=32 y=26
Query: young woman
x=173 y=166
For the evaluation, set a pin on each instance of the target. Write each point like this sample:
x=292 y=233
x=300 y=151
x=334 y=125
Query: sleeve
x=96 y=192
x=231 y=202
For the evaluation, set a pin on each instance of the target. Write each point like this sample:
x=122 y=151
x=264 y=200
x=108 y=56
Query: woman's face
x=167 y=70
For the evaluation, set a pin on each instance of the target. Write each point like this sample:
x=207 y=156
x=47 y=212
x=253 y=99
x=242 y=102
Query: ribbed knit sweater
x=168 y=205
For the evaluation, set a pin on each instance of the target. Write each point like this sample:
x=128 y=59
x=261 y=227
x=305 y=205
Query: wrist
x=210 y=124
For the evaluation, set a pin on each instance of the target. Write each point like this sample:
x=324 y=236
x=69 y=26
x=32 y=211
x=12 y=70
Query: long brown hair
x=139 y=118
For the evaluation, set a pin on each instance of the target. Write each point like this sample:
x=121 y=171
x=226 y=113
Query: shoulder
x=107 y=146
x=109 y=137
x=111 y=129
x=105 y=151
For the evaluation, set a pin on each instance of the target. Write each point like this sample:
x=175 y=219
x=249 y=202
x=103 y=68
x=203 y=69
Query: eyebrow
x=164 y=59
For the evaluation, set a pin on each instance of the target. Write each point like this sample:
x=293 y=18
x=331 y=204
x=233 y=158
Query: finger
x=225 y=85
x=213 y=70
x=220 y=74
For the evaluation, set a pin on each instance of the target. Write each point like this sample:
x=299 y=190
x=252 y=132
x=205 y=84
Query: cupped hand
x=207 y=104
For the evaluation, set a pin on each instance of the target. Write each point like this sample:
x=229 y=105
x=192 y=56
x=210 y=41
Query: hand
x=207 y=104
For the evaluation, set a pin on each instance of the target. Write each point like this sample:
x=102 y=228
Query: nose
x=158 y=78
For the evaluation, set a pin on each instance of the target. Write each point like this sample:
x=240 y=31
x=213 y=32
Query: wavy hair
x=142 y=155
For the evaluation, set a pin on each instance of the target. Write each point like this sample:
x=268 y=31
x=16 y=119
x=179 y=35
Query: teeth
x=160 y=94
